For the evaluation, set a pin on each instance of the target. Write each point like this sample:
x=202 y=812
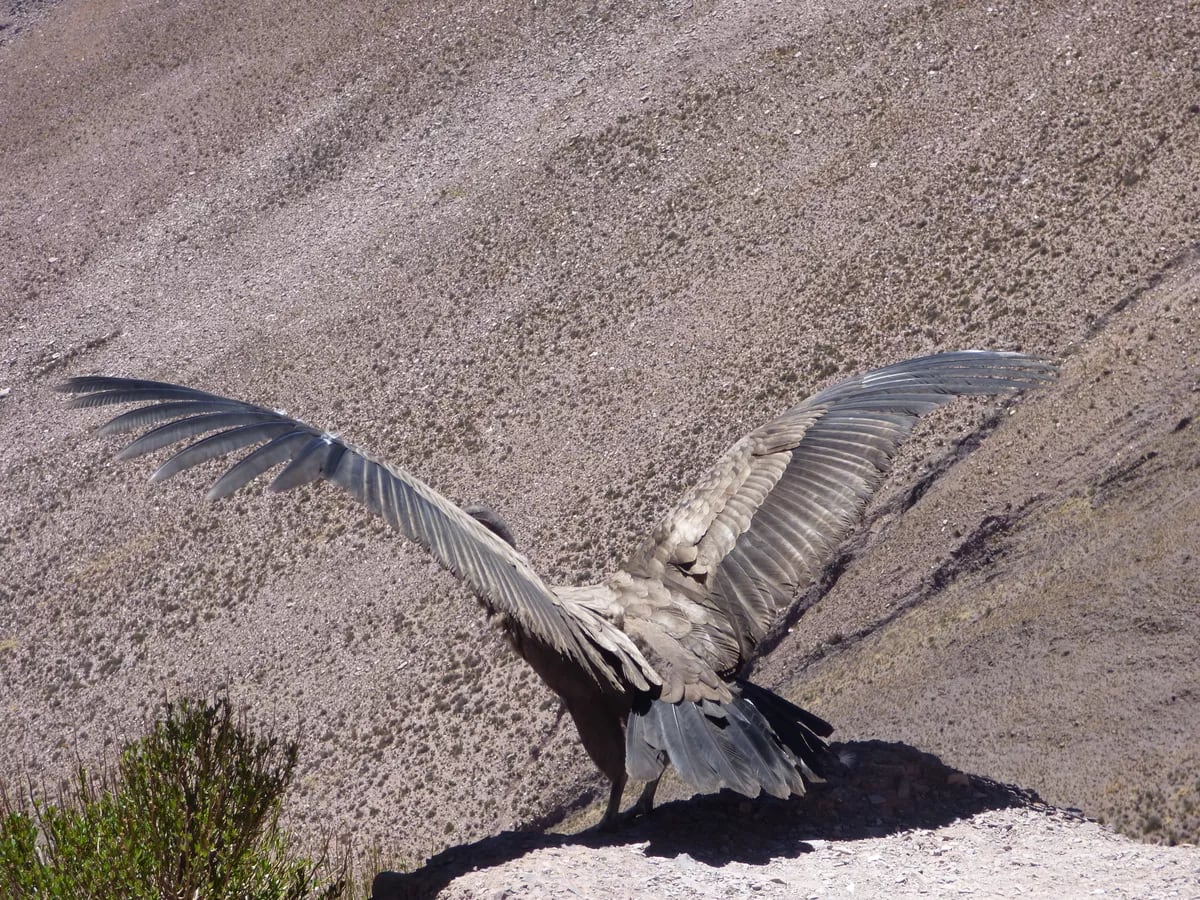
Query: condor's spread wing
x=501 y=577
x=764 y=521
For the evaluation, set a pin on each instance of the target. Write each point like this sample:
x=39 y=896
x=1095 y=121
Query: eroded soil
x=556 y=260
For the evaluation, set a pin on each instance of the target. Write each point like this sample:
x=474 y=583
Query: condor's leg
x=603 y=737
x=612 y=815
x=645 y=802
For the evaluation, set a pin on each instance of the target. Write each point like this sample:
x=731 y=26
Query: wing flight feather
x=766 y=519
x=500 y=576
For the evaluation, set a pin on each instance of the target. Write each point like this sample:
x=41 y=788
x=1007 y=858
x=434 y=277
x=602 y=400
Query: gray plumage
x=646 y=661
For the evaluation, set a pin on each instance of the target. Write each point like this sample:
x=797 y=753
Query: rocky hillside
x=556 y=257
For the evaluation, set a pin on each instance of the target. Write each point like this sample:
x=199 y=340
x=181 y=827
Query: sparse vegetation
x=192 y=811
x=1163 y=813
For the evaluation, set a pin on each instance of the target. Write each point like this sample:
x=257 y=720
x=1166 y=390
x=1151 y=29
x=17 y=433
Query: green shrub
x=192 y=812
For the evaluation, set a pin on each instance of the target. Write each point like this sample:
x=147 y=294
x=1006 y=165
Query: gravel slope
x=556 y=260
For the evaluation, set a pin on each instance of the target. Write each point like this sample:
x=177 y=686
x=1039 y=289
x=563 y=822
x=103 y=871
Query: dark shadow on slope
x=884 y=788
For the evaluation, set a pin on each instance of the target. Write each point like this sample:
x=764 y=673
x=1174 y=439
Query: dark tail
x=756 y=742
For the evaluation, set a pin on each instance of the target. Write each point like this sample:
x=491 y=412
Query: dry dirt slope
x=1042 y=601
x=557 y=259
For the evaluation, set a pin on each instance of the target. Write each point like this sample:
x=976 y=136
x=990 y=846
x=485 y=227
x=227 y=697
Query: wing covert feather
x=765 y=520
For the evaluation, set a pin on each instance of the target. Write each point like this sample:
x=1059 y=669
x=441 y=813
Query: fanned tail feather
x=756 y=742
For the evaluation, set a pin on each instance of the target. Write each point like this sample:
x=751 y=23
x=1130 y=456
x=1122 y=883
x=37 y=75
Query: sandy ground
x=894 y=823
x=556 y=260
x=1000 y=854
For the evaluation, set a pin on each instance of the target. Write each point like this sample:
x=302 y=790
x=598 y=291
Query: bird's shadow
x=882 y=788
